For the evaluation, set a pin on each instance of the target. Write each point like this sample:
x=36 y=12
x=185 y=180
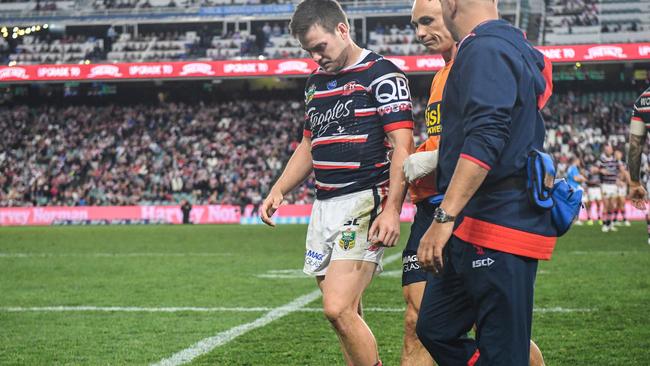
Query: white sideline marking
x=391 y=274
x=109 y=255
x=299 y=274
x=284 y=274
x=208 y=344
x=133 y=309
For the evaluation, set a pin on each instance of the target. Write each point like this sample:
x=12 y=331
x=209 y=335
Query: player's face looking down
x=430 y=30
x=329 y=50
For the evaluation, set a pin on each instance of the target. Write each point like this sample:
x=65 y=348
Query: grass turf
x=219 y=266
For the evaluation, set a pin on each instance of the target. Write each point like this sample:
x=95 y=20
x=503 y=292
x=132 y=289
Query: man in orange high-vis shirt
x=431 y=32
x=426 y=19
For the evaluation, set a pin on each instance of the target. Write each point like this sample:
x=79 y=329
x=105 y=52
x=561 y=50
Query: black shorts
x=411 y=271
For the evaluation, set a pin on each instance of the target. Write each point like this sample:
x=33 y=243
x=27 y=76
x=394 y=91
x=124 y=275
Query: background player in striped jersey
x=357 y=104
x=594 y=194
x=609 y=169
x=426 y=19
x=639 y=125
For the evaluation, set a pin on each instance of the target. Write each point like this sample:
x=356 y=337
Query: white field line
x=298 y=274
x=208 y=344
x=132 y=309
x=109 y=255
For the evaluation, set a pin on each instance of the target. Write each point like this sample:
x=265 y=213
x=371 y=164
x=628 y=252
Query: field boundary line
x=206 y=345
x=194 y=309
x=131 y=309
x=110 y=255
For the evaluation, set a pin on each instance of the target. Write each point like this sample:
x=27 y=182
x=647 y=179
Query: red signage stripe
x=623 y=52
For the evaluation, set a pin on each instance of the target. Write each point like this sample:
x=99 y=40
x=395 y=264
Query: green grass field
x=592 y=299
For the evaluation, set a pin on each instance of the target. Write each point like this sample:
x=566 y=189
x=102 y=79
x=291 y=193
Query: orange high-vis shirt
x=426 y=186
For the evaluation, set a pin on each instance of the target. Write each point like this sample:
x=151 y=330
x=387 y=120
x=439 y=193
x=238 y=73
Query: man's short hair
x=326 y=13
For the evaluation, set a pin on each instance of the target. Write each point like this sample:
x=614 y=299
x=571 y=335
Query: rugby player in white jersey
x=358 y=107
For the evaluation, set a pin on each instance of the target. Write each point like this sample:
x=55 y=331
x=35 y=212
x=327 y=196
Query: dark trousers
x=489 y=288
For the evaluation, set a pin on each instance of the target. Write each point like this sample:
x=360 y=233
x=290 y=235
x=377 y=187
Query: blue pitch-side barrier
x=254 y=220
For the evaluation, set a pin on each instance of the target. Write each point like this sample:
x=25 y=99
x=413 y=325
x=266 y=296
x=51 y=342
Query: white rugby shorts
x=338 y=230
x=622 y=190
x=609 y=190
x=594 y=193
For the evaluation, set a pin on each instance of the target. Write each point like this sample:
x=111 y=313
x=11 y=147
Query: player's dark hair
x=326 y=13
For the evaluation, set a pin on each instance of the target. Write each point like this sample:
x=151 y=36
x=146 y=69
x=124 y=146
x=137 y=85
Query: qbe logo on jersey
x=391 y=88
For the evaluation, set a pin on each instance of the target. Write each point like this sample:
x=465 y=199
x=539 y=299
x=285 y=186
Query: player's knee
x=335 y=310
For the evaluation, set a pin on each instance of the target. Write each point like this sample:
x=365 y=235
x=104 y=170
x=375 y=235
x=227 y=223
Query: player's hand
x=638 y=195
x=432 y=245
x=384 y=231
x=420 y=164
x=271 y=203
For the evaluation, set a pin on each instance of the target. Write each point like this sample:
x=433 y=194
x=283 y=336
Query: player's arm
x=392 y=96
x=385 y=228
x=297 y=170
x=625 y=174
x=638 y=135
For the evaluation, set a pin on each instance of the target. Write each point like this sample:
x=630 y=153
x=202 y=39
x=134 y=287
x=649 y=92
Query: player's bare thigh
x=345 y=282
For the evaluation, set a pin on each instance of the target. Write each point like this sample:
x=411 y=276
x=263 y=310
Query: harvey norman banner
x=289 y=67
x=208 y=214
x=24 y=216
x=200 y=214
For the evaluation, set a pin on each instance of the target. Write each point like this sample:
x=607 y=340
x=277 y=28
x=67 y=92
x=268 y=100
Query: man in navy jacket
x=486 y=237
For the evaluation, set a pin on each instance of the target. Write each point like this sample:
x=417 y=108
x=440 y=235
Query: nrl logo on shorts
x=310 y=93
x=347 y=239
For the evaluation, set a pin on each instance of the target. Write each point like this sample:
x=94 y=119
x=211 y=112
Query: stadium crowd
x=228 y=152
x=581 y=124
x=223 y=153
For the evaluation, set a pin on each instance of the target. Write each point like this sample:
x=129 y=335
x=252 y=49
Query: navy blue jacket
x=491 y=116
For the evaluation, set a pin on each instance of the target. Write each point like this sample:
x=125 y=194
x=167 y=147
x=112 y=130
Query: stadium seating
x=395 y=41
x=68 y=50
x=153 y=47
x=589 y=21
